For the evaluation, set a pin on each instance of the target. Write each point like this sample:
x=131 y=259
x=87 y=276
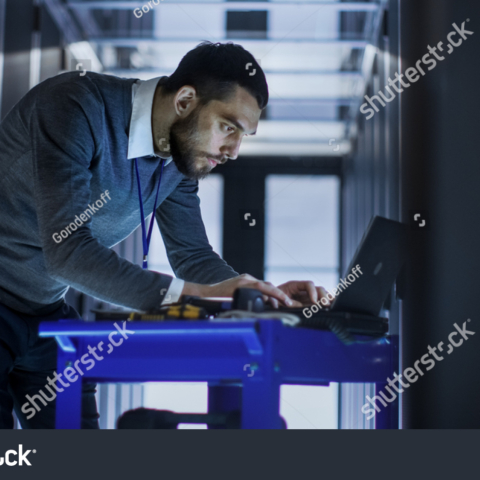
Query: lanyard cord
x=146 y=238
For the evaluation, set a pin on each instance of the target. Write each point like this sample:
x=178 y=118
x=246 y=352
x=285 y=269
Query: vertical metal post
x=2 y=44
x=388 y=417
x=35 y=51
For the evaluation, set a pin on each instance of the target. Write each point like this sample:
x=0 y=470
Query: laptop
x=379 y=257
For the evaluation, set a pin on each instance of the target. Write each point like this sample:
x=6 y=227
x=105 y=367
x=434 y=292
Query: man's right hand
x=227 y=287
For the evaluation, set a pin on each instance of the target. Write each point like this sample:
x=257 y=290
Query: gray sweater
x=61 y=147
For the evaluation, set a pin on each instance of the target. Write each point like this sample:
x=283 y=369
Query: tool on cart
x=182 y=311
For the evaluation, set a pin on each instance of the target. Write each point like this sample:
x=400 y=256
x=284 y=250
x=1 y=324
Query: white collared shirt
x=140 y=144
x=140 y=137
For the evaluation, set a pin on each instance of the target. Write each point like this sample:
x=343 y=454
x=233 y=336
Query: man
x=80 y=166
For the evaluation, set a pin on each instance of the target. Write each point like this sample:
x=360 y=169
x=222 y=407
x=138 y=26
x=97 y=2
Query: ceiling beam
x=160 y=72
x=127 y=5
x=134 y=41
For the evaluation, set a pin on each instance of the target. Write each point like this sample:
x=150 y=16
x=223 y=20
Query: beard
x=184 y=143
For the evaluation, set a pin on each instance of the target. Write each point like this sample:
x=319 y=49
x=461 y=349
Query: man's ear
x=186 y=100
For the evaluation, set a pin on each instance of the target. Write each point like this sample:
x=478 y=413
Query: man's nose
x=231 y=151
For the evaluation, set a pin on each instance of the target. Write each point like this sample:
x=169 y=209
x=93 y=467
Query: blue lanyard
x=145 y=238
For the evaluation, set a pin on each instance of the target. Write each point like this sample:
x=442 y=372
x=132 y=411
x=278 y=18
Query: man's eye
x=229 y=129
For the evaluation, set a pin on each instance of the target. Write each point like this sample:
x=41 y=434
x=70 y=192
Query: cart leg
x=261 y=404
x=387 y=417
x=223 y=399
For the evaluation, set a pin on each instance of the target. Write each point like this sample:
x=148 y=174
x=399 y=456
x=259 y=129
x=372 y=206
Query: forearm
x=195 y=290
x=200 y=266
x=98 y=271
x=189 y=251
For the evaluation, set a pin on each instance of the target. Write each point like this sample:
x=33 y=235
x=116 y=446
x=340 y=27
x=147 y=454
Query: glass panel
x=302 y=222
x=309 y=407
x=178 y=397
x=302 y=241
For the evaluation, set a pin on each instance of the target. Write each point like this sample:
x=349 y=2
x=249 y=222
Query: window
x=301 y=243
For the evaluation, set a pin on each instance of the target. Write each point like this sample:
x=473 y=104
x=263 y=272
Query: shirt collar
x=140 y=139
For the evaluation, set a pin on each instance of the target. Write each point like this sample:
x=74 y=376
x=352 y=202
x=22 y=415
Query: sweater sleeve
x=189 y=252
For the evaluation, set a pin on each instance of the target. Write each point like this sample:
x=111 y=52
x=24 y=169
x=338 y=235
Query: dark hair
x=214 y=69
